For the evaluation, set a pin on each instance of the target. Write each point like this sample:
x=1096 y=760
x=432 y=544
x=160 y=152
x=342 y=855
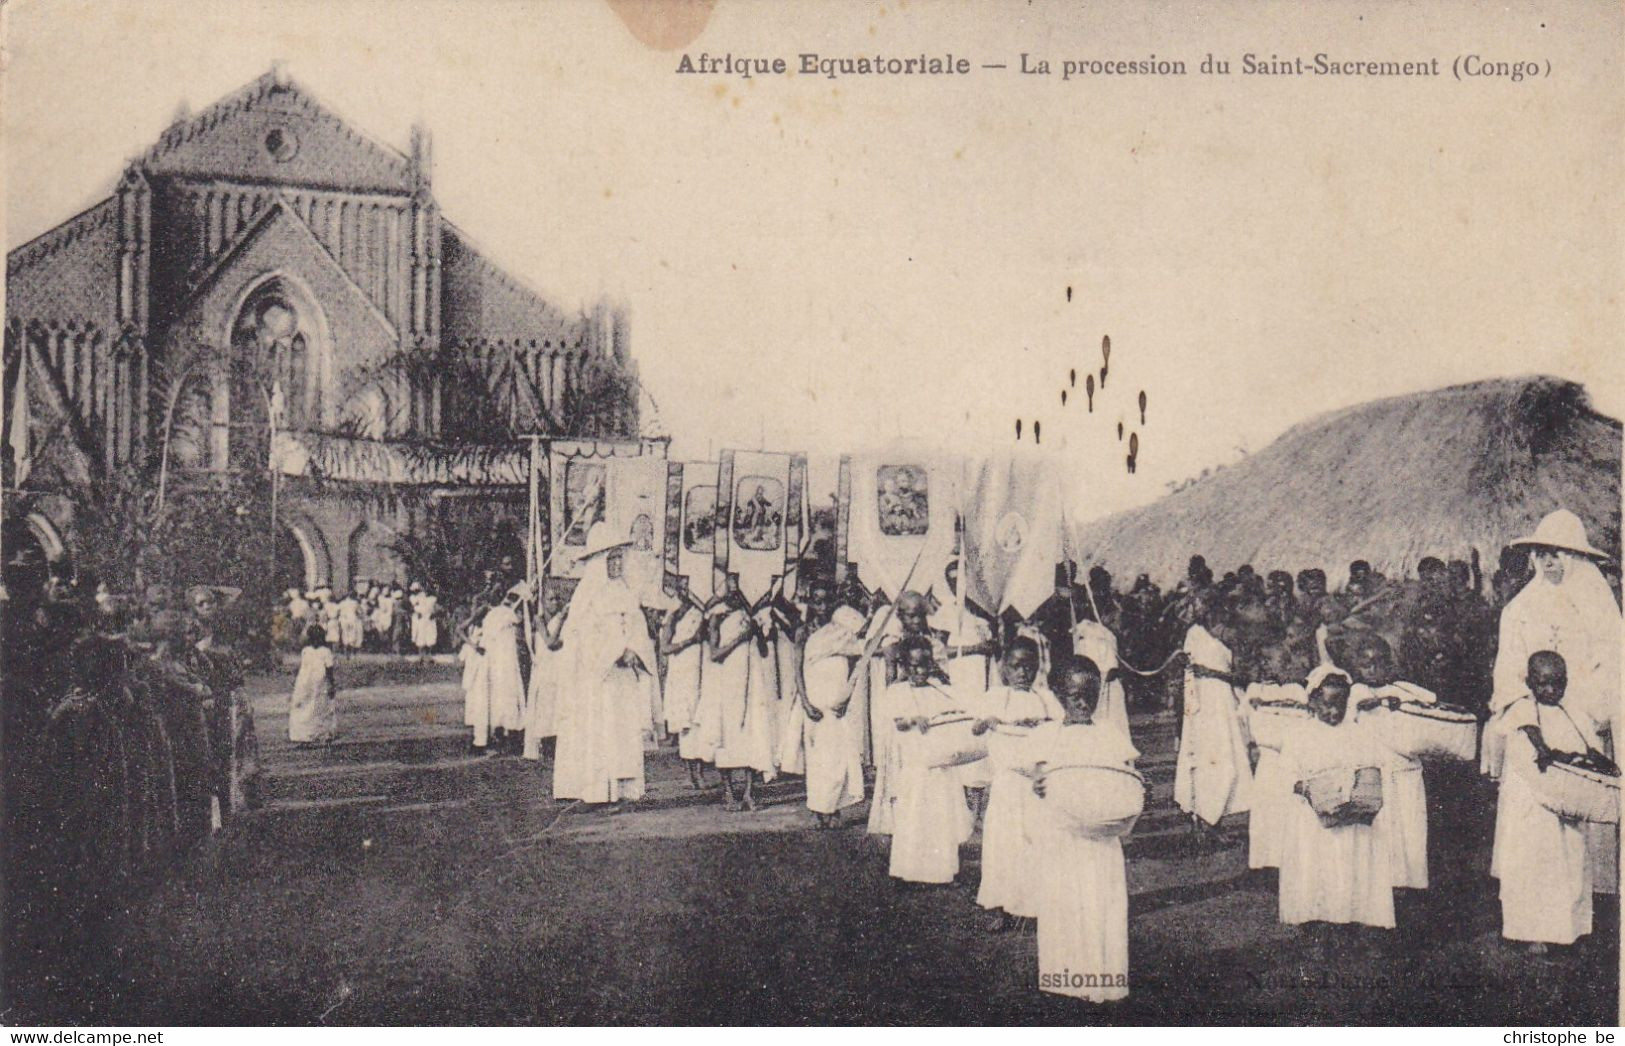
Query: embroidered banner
x=761 y=499
x=899 y=508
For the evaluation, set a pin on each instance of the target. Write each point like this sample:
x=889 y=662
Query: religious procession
x=946 y=668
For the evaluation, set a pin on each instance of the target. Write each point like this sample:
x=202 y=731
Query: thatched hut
x=1433 y=473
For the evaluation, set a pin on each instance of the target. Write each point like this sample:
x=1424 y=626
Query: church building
x=270 y=288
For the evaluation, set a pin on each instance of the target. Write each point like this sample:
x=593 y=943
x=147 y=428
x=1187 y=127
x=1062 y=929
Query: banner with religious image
x=691 y=530
x=762 y=502
x=636 y=507
x=579 y=489
x=1014 y=532
x=899 y=508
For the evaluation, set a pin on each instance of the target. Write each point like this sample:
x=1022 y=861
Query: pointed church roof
x=273 y=129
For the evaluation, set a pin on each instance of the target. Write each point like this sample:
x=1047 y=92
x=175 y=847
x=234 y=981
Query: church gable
x=272 y=131
x=280 y=245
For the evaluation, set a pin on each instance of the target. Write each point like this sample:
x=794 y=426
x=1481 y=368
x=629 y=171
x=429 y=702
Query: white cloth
x=682 y=689
x=1342 y=874
x=503 y=706
x=541 y=694
x=1082 y=882
x=722 y=685
x=1213 y=776
x=834 y=744
x=1544 y=863
x=791 y=752
x=312 y=713
x=929 y=816
x=1579 y=620
x=1009 y=854
x=967 y=673
x=299 y=610
x=750 y=721
x=348 y=616
x=476 y=695
x=425 y=631
x=1272 y=784
x=1404 y=814
x=1098 y=643
x=383 y=615
x=603 y=712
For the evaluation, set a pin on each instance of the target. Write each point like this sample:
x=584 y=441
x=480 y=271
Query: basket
x=1415 y=730
x=1007 y=747
x=1096 y=802
x=1577 y=793
x=946 y=741
x=1269 y=724
x=1350 y=795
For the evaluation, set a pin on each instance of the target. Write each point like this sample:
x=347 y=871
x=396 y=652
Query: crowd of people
x=1281 y=689
x=375 y=617
x=124 y=743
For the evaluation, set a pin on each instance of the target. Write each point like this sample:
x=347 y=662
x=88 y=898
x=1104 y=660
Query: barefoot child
x=1021 y=703
x=1540 y=858
x=834 y=734
x=313 y=716
x=929 y=816
x=1081 y=879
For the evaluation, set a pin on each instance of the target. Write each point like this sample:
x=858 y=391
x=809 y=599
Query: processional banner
x=762 y=498
x=691 y=530
x=898 y=513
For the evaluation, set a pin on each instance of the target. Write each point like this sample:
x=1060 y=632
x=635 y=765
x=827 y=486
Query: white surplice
x=1008 y=852
x=929 y=816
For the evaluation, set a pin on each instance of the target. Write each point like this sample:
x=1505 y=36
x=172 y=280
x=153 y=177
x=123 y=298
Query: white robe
x=1544 y=864
x=1336 y=875
x=1404 y=814
x=750 y=721
x=348 y=616
x=503 y=707
x=541 y=694
x=1579 y=620
x=1213 y=776
x=722 y=685
x=604 y=713
x=683 y=672
x=1098 y=643
x=312 y=714
x=1008 y=834
x=425 y=631
x=967 y=673
x=834 y=743
x=929 y=816
x=1272 y=784
x=1082 y=882
x=476 y=695
x=791 y=753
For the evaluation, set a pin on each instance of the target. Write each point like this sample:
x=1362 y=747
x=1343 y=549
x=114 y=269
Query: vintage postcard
x=892 y=512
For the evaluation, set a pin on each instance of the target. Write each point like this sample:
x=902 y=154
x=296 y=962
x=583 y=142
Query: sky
x=827 y=265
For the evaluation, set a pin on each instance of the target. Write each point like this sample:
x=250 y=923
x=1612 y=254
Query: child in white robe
x=1213 y=776
x=749 y=719
x=1082 y=880
x=1008 y=887
x=476 y=694
x=313 y=716
x=929 y=817
x=502 y=713
x=682 y=641
x=1340 y=874
x=833 y=734
x=541 y=693
x=1403 y=818
x=1272 y=785
x=1541 y=859
x=425 y=630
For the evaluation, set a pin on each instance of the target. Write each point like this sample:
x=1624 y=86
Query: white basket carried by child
x=1345 y=796
x=1097 y=802
x=946 y=741
x=1578 y=793
x=1417 y=729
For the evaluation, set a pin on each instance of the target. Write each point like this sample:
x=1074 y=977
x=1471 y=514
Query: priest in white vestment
x=609 y=678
